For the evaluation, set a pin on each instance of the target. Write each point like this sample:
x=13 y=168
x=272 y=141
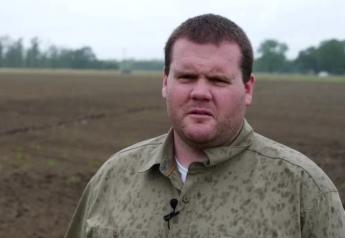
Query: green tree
x=14 y=55
x=1 y=53
x=307 y=61
x=272 y=57
x=4 y=42
x=331 y=56
x=83 y=58
x=50 y=58
x=146 y=64
x=33 y=54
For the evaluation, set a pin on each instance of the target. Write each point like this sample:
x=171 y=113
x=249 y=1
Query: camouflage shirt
x=253 y=188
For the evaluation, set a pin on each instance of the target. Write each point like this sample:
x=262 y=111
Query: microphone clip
x=168 y=217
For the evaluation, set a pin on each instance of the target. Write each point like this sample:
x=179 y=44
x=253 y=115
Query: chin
x=199 y=136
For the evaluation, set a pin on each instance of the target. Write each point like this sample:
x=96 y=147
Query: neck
x=187 y=154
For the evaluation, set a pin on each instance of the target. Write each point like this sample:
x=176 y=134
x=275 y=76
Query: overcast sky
x=139 y=28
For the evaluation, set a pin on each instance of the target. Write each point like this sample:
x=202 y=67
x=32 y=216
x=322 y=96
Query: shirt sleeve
x=325 y=217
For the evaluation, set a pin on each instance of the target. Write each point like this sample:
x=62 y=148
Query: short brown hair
x=215 y=29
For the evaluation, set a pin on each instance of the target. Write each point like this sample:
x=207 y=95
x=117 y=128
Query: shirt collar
x=220 y=154
x=163 y=154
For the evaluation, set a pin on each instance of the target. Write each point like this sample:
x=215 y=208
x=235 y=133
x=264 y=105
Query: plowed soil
x=57 y=128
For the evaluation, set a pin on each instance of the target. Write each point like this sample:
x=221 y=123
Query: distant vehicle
x=323 y=74
x=126 y=71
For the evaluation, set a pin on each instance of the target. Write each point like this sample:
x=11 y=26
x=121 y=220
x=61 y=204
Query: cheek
x=177 y=95
x=232 y=103
x=173 y=102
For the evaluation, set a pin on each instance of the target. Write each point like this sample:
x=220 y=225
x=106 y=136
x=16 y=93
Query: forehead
x=187 y=54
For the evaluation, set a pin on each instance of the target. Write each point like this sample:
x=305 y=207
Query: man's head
x=204 y=87
x=214 y=29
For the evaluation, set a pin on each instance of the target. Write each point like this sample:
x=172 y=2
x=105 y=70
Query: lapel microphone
x=168 y=217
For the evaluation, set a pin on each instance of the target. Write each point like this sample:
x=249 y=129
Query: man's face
x=205 y=94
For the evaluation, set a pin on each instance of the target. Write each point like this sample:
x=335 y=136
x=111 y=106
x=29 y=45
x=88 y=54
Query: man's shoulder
x=142 y=146
x=292 y=159
x=132 y=156
x=272 y=149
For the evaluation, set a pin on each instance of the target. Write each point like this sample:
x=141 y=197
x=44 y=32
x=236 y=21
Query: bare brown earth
x=57 y=128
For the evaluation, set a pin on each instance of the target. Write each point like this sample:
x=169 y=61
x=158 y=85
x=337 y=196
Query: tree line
x=328 y=56
x=13 y=54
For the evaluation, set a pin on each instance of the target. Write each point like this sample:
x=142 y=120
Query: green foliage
x=307 y=61
x=272 y=57
x=331 y=56
x=2 y=47
x=272 y=47
x=132 y=64
x=13 y=54
x=33 y=54
x=328 y=57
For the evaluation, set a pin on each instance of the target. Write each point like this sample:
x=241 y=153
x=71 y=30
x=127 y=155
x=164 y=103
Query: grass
x=52 y=162
x=92 y=72
x=21 y=160
x=19 y=153
x=300 y=77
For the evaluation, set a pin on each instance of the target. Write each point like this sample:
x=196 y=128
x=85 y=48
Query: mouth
x=200 y=112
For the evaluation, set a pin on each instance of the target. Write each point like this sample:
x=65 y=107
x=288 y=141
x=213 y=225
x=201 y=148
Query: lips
x=200 y=112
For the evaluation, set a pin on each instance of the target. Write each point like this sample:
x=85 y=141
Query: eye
x=219 y=80
x=186 y=77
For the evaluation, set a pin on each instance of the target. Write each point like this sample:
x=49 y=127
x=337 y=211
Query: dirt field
x=57 y=128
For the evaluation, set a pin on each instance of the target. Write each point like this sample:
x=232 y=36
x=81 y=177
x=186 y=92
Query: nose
x=201 y=90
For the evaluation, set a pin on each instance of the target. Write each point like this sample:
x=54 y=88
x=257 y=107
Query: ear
x=249 y=90
x=164 y=85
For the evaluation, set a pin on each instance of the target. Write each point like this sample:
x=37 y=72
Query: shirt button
x=185 y=199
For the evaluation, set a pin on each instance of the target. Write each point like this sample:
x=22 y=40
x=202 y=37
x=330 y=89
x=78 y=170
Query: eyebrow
x=179 y=72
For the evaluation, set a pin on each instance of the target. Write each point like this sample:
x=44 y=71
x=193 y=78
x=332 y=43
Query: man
x=211 y=175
